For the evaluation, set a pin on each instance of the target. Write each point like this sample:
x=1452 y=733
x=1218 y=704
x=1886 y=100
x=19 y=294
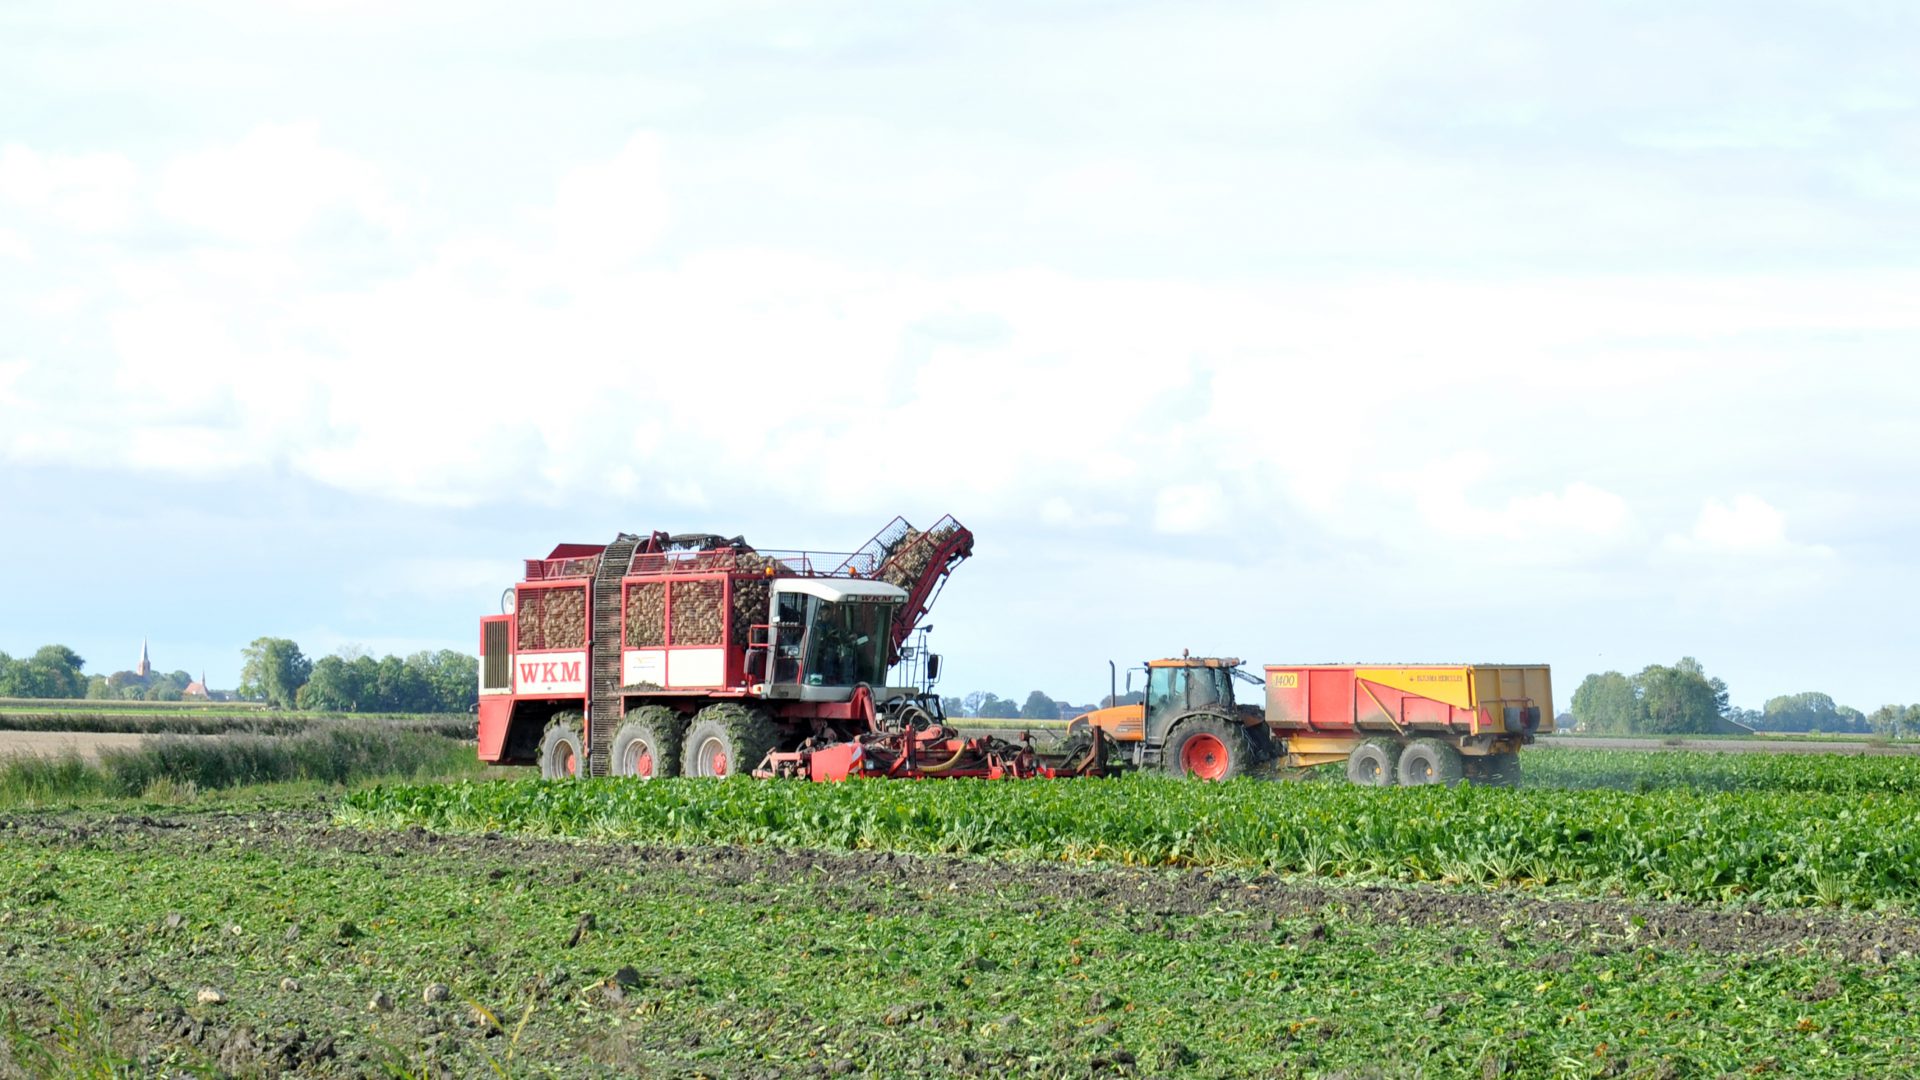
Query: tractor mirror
x=933 y=666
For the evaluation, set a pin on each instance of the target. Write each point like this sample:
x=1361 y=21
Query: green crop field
x=1623 y=914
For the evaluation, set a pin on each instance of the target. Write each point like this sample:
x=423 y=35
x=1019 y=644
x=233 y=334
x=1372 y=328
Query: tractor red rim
x=1205 y=756
x=569 y=762
x=720 y=763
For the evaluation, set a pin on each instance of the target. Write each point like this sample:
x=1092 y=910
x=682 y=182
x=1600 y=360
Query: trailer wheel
x=727 y=740
x=1208 y=748
x=562 y=756
x=1374 y=763
x=1430 y=761
x=647 y=745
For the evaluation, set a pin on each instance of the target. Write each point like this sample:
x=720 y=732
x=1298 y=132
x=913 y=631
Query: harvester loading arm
x=916 y=561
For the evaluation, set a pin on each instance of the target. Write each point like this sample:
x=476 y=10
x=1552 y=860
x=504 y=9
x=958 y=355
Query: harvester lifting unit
x=697 y=655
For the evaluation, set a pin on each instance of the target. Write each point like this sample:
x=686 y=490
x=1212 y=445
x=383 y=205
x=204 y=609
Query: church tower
x=145 y=669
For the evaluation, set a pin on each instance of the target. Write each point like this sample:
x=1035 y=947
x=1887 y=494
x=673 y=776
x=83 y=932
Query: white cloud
x=1746 y=527
x=1183 y=509
x=272 y=186
x=90 y=193
x=608 y=213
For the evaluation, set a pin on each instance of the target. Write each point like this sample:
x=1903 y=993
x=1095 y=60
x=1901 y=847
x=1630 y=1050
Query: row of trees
x=1682 y=699
x=276 y=671
x=51 y=672
x=994 y=707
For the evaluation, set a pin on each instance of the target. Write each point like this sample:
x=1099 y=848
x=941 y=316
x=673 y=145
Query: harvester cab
x=828 y=636
x=1190 y=723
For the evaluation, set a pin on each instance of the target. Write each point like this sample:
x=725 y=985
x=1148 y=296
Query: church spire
x=146 y=668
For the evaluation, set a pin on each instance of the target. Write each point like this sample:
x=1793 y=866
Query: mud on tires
x=647 y=745
x=727 y=740
x=563 y=754
x=1430 y=761
x=1374 y=763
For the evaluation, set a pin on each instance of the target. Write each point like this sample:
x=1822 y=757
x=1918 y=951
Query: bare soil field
x=87 y=744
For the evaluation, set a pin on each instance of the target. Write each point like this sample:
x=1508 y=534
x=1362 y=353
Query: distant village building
x=198 y=688
x=145 y=668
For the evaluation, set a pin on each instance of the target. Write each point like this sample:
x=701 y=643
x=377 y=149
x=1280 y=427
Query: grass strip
x=170 y=767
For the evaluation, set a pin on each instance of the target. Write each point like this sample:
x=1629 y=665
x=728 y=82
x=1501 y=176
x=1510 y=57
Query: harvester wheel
x=1374 y=763
x=727 y=740
x=562 y=754
x=648 y=744
x=1208 y=748
x=1430 y=761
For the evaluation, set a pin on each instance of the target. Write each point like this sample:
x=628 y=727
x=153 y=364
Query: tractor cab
x=1189 y=721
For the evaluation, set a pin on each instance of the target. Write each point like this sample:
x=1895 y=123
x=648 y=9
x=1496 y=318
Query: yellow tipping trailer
x=1410 y=723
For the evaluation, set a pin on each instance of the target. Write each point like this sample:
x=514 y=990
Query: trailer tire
x=1430 y=761
x=727 y=740
x=647 y=746
x=1374 y=763
x=562 y=752
x=1210 y=748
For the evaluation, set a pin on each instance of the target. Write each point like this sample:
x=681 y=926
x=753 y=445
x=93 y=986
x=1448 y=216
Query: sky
x=1298 y=332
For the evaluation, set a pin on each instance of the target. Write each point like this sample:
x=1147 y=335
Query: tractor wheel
x=648 y=744
x=1430 y=761
x=562 y=754
x=1374 y=763
x=1208 y=748
x=727 y=740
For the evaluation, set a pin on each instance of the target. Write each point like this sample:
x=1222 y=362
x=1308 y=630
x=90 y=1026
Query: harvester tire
x=1374 y=763
x=647 y=746
x=1210 y=748
x=563 y=755
x=727 y=740
x=1430 y=761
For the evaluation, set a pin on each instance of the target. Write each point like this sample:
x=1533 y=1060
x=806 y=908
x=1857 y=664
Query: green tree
x=1806 y=711
x=1893 y=721
x=996 y=707
x=1676 y=700
x=953 y=706
x=452 y=679
x=327 y=688
x=274 y=670
x=1608 y=703
x=1040 y=707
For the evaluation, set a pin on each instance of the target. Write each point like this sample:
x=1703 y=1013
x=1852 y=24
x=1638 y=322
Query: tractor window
x=1209 y=688
x=848 y=644
x=1166 y=690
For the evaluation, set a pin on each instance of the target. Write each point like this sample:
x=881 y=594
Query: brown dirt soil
x=56 y=743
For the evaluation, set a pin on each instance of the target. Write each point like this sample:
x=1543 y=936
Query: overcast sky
x=1583 y=333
